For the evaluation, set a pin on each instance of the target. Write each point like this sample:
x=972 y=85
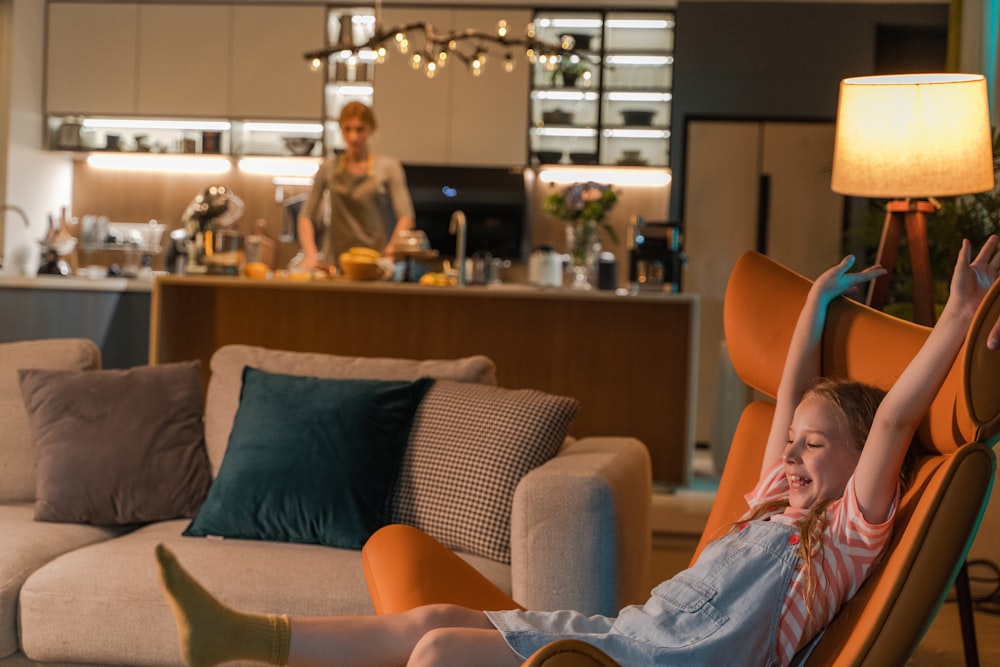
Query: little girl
x=820 y=518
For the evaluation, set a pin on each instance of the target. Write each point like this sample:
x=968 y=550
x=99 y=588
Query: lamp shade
x=913 y=135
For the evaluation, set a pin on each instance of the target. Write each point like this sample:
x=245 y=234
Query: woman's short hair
x=358 y=110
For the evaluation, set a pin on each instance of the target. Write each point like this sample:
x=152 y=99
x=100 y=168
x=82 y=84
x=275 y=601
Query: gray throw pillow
x=117 y=447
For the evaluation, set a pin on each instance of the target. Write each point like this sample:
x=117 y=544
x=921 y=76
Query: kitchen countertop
x=48 y=282
x=381 y=286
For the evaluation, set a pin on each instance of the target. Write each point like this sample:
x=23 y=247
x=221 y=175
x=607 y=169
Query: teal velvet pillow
x=310 y=460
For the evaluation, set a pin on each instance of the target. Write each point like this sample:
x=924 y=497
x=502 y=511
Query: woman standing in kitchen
x=369 y=198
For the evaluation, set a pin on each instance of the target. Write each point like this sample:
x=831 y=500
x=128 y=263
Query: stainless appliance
x=656 y=256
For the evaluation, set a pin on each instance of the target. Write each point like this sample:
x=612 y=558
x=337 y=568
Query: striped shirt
x=850 y=548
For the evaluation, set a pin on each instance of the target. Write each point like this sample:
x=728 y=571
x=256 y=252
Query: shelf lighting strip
x=289 y=167
x=639 y=97
x=564 y=131
x=642 y=176
x=155 y=124
x=175 y=164
x=298 y=128
x=565 y=95
x=568 y=23
x=639 y=60
x=635 y=134
x=640 y=24
x=354 y=90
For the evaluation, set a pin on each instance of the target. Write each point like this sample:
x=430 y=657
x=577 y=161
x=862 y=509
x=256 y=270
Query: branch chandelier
x=472 y=47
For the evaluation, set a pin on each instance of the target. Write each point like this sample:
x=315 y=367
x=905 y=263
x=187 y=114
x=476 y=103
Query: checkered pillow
x=469 y=447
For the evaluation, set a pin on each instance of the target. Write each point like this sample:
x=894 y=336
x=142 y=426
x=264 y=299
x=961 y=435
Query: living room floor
x=679 y=515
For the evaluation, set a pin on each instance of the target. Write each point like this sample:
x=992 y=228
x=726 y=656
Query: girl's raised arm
x=908 y=400
x=802 y=364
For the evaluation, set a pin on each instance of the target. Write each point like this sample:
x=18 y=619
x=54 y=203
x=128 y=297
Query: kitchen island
x=112 y=312
x=630 y=360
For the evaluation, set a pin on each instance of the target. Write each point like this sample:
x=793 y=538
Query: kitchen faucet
x=457 y=227
x=3 y=230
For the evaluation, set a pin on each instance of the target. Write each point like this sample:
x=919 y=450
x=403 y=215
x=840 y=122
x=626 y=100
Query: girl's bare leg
x=211 y=633
x=431 y=635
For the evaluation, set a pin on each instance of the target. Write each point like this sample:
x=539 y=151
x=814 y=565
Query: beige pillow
x=17 y=456
x=229 y=361
x=117 y=447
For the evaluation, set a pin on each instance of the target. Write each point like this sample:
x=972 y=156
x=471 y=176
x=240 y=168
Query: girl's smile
x=819 y=456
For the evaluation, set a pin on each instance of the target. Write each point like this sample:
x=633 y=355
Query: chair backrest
x=938 y=516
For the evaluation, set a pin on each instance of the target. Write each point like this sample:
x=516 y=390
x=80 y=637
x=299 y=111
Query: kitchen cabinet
x=187 y=61
x=753 y=186
x=609 y=101
x=270 y=79
x=624 y=388
x=183 y=58
x=91 y=58
x=454 y=117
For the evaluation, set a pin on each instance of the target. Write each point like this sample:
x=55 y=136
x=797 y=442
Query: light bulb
x=442 y=57
x=529 y=30
x=416 y=60
x=315 y=64
x=431 y=69
x=477 y=66
x=502 y=29
x=508 y=63
x=568 y=42
x=531 y=55
x=380 y=55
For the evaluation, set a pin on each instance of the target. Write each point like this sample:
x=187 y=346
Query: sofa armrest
x=580 y=528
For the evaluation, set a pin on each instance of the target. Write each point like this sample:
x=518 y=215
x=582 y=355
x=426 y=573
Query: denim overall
x=724 y=610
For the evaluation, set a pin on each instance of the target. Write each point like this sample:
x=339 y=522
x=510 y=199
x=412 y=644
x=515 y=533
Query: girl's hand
x=973 y=277
x=836 y=280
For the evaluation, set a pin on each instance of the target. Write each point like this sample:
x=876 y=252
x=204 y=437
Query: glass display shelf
x=617 y=107
x=221 y=137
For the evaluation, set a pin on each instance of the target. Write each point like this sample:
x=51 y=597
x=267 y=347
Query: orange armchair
x=936 y=521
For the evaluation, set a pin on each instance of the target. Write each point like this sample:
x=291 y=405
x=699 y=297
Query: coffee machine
x=656 y=256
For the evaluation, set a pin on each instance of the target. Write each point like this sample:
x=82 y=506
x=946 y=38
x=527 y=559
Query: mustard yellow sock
x=210 y=632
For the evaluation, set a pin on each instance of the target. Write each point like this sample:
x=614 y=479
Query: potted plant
x=569 y=70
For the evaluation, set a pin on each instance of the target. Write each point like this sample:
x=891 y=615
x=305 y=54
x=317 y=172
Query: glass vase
x=583 y=246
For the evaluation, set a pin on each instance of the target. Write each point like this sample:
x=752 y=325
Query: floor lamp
x=910 y=138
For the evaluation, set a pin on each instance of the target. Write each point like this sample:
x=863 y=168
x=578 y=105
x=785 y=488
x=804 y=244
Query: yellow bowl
x=363 y=268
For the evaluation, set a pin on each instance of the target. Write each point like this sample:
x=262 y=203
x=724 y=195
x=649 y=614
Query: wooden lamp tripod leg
x=911 y=215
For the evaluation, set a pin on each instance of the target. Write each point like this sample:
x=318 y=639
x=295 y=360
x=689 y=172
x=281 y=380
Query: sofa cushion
x=227 y=365
x=27 y=545
x=17 y=455
x=117 y=447
x=310 y=460
x=469 y=447
x=103 y=605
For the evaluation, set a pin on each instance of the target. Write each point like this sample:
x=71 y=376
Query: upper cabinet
x=270 y=78
x=454 y=117
x=183 y=60
x=609 y=102
x=91 y=58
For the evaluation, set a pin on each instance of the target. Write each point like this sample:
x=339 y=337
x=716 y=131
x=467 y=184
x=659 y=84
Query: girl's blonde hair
x=358 y=110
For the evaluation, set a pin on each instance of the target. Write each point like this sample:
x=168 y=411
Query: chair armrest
x=580 y=528
x=569 y=653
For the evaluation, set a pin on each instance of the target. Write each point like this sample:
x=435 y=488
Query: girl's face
x=356 y=133
x=819 y=456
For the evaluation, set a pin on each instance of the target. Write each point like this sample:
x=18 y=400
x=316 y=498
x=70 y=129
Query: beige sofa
x=73 y=593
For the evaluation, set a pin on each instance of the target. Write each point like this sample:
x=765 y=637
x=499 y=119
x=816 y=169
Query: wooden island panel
x=629 y=360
